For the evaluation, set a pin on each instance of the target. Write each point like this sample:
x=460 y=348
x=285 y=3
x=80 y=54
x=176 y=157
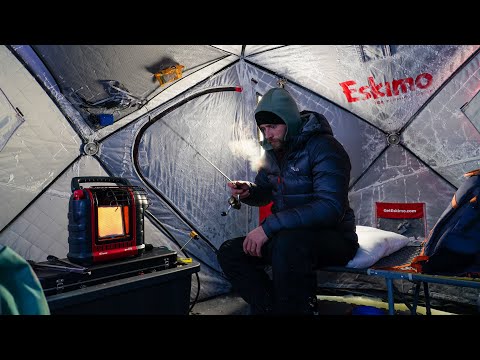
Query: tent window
x=374 y=52
x=10 y=119
x=472 y=110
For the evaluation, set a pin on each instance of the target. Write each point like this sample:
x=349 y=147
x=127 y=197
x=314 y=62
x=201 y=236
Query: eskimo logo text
x=394 y=88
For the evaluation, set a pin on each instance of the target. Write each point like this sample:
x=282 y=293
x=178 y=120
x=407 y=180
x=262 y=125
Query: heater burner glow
x=113 y=212
x=110 y=222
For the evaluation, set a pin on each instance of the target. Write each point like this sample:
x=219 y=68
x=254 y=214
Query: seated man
x=306 y=173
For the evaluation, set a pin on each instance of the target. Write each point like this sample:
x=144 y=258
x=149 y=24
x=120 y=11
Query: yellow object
x=169 y=74
x=193 y=234
x=184 y=260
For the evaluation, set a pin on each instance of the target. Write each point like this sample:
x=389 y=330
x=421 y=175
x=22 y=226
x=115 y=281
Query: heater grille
x=116 y=196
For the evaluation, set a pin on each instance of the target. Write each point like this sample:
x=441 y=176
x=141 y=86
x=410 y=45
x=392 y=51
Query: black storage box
x=151 y=283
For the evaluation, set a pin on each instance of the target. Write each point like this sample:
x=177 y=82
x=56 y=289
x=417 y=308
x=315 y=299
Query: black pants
x=293 y=255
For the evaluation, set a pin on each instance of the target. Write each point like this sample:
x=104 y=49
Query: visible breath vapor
x=249 y=150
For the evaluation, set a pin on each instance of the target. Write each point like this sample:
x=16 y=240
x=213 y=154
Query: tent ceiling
x=385 y=88
x=249 y=49
x=83 y=71
x=233 y=49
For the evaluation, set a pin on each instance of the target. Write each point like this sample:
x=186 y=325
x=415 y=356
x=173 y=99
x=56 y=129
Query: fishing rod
x=233 y=202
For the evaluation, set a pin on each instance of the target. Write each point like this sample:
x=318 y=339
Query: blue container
x=105 y=119
x=367 y=310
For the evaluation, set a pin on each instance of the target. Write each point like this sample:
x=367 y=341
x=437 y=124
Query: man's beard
x=278 y=145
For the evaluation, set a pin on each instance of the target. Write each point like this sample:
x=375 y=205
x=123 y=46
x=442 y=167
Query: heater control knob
x=91 y=148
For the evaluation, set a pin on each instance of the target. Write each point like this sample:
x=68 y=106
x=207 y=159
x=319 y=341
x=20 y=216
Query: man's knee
x=229 y=250
x=224 y=251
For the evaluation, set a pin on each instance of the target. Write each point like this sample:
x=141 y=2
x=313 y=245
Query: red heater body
x=105 y=222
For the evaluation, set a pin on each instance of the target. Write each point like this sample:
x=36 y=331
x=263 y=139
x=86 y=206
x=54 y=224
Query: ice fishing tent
x=408 y=115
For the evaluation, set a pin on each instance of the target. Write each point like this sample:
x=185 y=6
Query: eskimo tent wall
x=408 y=115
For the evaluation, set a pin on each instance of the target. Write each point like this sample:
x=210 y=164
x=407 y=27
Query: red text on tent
x=389 y=89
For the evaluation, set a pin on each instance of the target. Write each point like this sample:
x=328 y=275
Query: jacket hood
x=279 y=102
x=315 y=122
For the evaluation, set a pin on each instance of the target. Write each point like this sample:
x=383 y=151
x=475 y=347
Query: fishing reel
x=233 y=202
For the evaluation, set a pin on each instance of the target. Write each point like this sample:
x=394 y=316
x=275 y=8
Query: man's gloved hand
x=240 y=188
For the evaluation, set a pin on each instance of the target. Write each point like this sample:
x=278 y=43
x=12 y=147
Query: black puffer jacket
x=309 y=188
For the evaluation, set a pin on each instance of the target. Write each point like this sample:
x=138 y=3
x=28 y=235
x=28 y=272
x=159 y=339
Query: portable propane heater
x=105 y=222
